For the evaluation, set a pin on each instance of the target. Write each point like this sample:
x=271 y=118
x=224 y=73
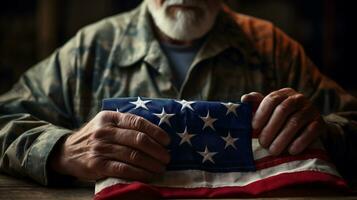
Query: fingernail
x=263 y=141
x=273 y=150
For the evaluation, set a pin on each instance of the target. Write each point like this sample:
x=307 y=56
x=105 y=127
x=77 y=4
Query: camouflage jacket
x=120 y=57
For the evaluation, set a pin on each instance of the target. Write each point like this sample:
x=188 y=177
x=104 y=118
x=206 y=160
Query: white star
x=208 y=120
x=231 y=107
x=185 y=137
x=140 y=103
x=164 y=117
x=207 y=155
x=186 y=104
x=230 y=141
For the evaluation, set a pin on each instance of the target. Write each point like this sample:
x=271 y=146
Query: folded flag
x=214 y=154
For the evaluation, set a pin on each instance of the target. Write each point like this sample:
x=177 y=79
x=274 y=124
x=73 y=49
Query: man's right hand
x=113 y=144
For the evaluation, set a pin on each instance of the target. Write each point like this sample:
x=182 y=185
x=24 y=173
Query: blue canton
x=209 y=136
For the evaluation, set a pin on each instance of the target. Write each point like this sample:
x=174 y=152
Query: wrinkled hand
x=285 y=119
x=114 y=145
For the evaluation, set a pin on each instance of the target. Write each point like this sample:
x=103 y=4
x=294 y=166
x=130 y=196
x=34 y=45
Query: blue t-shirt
x=180 y=59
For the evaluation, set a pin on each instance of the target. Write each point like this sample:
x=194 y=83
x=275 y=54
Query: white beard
x=183 y=25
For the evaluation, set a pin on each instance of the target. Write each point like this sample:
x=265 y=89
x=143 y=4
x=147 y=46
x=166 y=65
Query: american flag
x=214 y=153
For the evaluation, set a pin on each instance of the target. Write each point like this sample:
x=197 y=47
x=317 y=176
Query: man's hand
x=113 y=145
x=285 y=119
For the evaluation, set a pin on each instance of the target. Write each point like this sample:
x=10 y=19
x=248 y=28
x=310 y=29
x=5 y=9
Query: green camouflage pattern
x=120 y=57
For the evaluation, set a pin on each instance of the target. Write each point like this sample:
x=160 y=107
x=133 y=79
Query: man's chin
x=182 y=23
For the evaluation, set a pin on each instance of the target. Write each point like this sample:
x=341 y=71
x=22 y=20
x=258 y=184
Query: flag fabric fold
x=214 y=154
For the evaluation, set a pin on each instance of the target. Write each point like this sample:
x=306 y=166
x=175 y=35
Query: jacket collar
x=136 y=38
x=227 y=34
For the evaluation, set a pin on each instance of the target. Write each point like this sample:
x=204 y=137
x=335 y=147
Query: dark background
x=31 y=29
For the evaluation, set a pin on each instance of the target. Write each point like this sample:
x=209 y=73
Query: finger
x=129 y=156
x=279 y=116
x=254 y=98
x=125 y=171
x=140 y=141
x=267 y=106
x=310 y=134
x=134 y=122
x=292 y=126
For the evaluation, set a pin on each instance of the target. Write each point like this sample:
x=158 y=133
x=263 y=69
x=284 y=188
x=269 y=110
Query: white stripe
x=258 y=151
x=197 y=178
x=187 y=175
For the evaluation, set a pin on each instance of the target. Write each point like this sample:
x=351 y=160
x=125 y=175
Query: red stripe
x=136 y=190
x=271 y=161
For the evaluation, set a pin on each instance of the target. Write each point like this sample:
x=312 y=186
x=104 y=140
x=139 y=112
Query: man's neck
x=163 y=38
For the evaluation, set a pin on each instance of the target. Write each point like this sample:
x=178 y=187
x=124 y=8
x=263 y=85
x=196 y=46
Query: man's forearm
x=26 y=144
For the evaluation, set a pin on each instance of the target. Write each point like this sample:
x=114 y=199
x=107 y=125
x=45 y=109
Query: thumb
x=253 y=98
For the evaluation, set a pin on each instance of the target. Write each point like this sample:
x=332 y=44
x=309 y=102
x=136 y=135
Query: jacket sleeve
x=35 y=115
x=339 y=109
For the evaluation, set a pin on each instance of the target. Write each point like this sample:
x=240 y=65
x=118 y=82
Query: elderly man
x=50 y=122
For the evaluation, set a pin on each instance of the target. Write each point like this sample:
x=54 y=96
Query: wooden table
x=17 y=189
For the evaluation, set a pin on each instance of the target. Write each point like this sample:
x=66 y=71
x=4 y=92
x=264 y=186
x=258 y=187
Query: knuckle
x=292 y=102
x=283 y=108
x=129 y=117
x=134 y=155
x=298 y=97
x=255 y=94
x=102 y=115
x=294 y=122
x=99 y=134
x=136 y=121
x=120 y=168
x=288 y=89
x=273 y=98
x=141 y=139
x=140 y=122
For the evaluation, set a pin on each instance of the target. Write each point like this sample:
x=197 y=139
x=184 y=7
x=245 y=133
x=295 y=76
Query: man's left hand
x=285 y=119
